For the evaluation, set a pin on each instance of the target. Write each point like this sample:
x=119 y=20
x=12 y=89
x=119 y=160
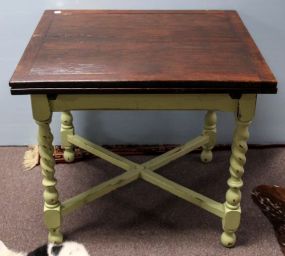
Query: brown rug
x=140 y=219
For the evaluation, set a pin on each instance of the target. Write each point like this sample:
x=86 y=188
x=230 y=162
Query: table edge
x=144 y=87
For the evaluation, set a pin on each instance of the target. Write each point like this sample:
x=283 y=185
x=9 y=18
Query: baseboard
x=156 y=149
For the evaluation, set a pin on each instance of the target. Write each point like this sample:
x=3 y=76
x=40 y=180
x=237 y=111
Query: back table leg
x=67 y=129
x=210 y=130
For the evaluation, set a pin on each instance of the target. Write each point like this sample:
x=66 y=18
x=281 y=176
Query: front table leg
x=52 y=214
x=52 y=207
x=231 y=219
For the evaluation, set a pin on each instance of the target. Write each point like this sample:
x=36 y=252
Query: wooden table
x=142 y=60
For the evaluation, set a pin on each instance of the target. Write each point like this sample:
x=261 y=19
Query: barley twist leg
x=231 y=219
x=52 y=213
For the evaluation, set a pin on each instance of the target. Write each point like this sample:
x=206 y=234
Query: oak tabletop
x=92 y=51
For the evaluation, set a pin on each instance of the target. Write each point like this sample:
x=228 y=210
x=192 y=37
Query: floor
x=139 y=219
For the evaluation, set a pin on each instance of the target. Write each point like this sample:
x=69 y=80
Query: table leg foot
x=206 y=156
x=231 y=222
x=210 y=130
x=67 y=129
x=55 y=236
x=228 y=239
x=52 y=219
x=68 y=155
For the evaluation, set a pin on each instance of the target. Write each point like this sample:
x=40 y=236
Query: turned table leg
x=210 y=130
x=52 y=214
x=232 y=210
x=231 y=219
x=67 y=129
x=52 y=207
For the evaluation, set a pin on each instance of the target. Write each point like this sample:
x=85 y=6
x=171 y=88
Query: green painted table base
x=229 y=211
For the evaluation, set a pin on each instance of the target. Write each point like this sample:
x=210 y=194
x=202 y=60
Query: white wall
x=264 y=19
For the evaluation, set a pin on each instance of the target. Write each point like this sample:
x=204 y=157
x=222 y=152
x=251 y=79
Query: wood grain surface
x=74 y=51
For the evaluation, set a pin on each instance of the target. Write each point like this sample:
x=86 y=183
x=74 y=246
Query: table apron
x=222 y=102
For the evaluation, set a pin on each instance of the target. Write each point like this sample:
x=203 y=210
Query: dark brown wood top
x=142 y=52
